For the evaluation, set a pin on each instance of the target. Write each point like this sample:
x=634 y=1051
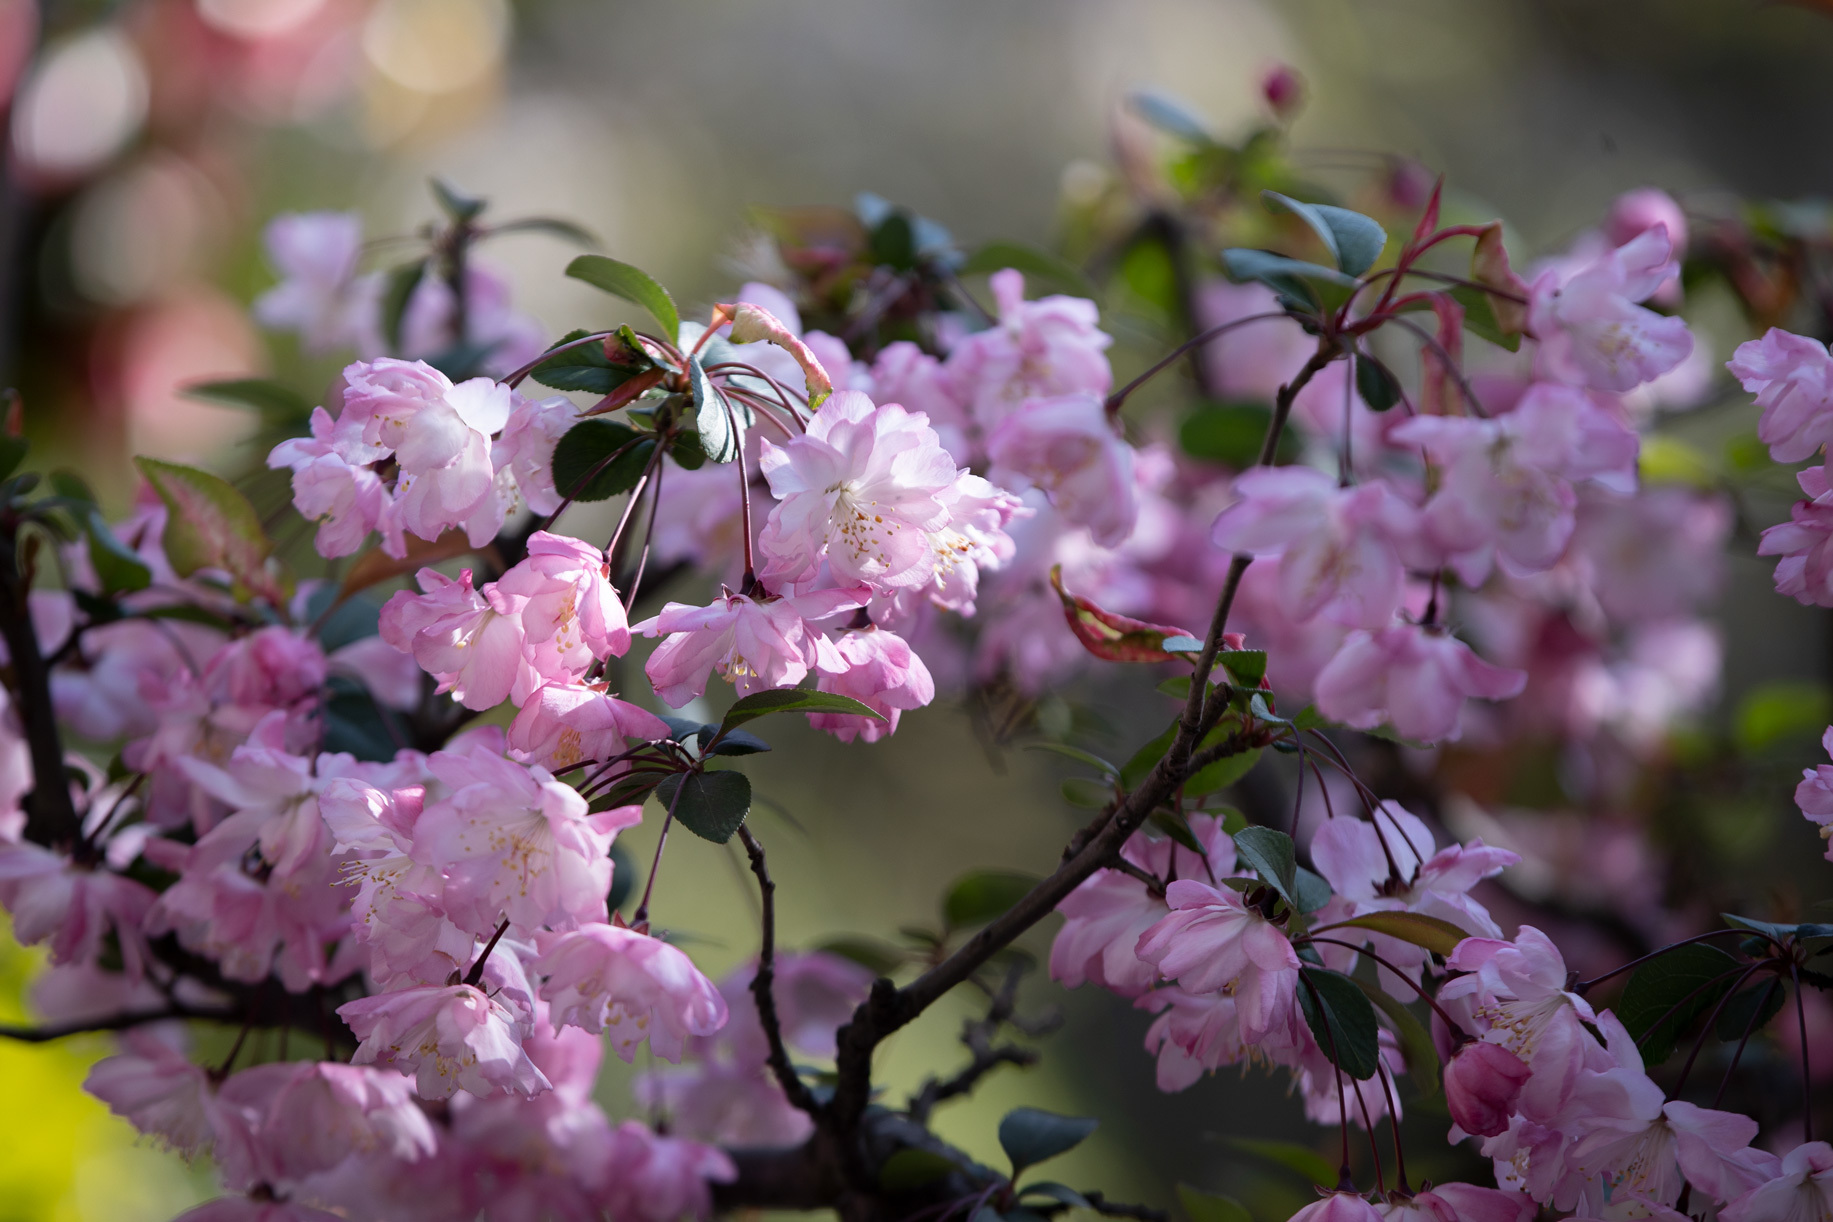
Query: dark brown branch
x=977 y=1034
x=51 y=817
x=763 y=982
x=114 y=1022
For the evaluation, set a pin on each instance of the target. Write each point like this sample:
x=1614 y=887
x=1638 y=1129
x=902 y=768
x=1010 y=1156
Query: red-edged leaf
x=1115 y=638
x=210 y=525
x=1489 y=268
x=1428 y=220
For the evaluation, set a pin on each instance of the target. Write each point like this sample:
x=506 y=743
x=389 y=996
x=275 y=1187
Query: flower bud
x=1482 y=1083
x=1284 y=91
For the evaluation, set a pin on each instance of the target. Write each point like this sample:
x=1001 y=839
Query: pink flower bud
x=1284 y=90
x=1482 y=1083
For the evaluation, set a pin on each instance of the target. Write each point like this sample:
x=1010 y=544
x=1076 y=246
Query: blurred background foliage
x=150 y=140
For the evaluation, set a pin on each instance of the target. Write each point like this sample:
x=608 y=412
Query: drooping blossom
x=474 y=650
x=160 y=1091
x=1455 y=1202
x=562 y=724
x=333 y=484
x=663 y=1179
x=1410 y=677
x=1805 y=543
x=1338 y=1207
x=451 y=1038
x=1814 y=795
x=316 y=254
x=525 y=448
x=1211 y=939
x=880 y=670
x=603 y=977
x=1041 y=348
x=1591 y=330
x=1792 y=379
x=1067 y=445
x=1482 y=1084
x=753 y=643
x=307 y=1117
x=561 y=593
x=1800 y=1191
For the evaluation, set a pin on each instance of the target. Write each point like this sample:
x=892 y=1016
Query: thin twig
x=763 y=981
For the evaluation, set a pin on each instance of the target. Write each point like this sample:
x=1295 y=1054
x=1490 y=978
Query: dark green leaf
x=552 y=225
x=1200 y=1206
x=686 y=450
x=1667 y=993
x=1075 y=753
x=1134 y=770
x=791 y=700
x=1415 y=1040
x=1750 y=1010
x=1175 y=825
x=275 y=400
x=1480 y=317
x=397 y=290
x=1039 y=267
x=1780 y=933
x=1221 y=774
x=1354 y=240
x=1269 y=853
x=455 y=203
x=355 y=724
x=1308 y=718
x=712 y=805
x=719 y=421
x=118 y=567
x=1342 y=1020
x=1231 y=434
x=1245 y=667
x=893 y=242
x=1030 y=1136
x=1376 y=383
x=680 y=729
x=1086 y=792
x=1311 y=283
x=630 y=283
x=1313 y=891
x=910 y=1169
x=1051 y=1190
x=875 y=956
x=586 y=367
x=1438 y=936
x=984 y=895
x=627 y=791
x=584 y=466
x=1308 y=1163
x=739 y=742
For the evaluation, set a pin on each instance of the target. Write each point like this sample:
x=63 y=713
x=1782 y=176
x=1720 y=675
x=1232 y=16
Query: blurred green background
x=658 y=125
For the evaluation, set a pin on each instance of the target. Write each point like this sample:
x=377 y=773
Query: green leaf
x=712 y=805
x=1313 y=891
x=879 y=958
x=397 y=290
x=910 y=1169
x=1200 y=1206
x=974 y=899
x=1292 y=1156
x=1353 y=240
x=1169 y=115
x=1150 y=273
x=1308 y=718
x=1029 y=1135
x=791 y=700
x=1038 y=266
x=1051 y=1190
x=275 y=400
x=1480 y=317
x=1135 y=769
x=1310 y=283
x=1341 y=1019
x=12 y=453
x=1270 y=854
x=719 y=421
x=630 y=283
x=1086 y=792
x=1438 y=936
x=553 y=226
x=118 y=567
x=1075 y=753
x=737 y=742
x=1175 y=825
x=1377 y=385
x=1245 y=667
x=210 y=525
x=1231 y=434
x=1750 y=1010
x=586 y=367
x=583 y=462
x=893 y=242
x=455 y=203
x=1770 y=929
x=1221 y=774
x=1667 y=993
x=1415 y=1040
x=1780 y=710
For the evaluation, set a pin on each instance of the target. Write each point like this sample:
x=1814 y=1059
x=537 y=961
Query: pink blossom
x=526 y=448
x=1338 y=1207
x=332 y=484
x=393 y=678
x=1068 y=446
x=565 y=723
x=1815 y=794
x=903 y=373
x=252 y=1209
x=863 y=487
x=1195 y=1034
x=428 y=325
x=1459 y=1203
x=160 y=1092
x=1414 y=679
x=1591 y=330
x=451 y=1038
x=515 y=844
x=732 y=1102
x=661 y=1179
x=816 y=994
x=73 y=907
x=1634 y=213
x=1482 y=1083
x=310 y=1116
x=754 y=644
x=1039 y=348
x=1252 y=360
x=316 y=254
x=1805 y=543
x=1337 y=545
x=561 y=593
x=974 y=542
x=1212 y=940
x=1792 y=378
x=880 y=670
x=605 y=977
x=475 y=651
x=1800 y=1189
x=1652 y=556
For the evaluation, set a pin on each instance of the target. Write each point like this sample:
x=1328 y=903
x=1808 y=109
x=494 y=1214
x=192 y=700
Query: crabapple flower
x=565 y=723
x=863 y=487
x=1805 y=543
x=73 y=907
x=1591 y=330
x=1815 y=794
x=515 y=844
x=160 y=1091
x=1482 y=1084
x=526 y=448
x=604 y=977
x=1792 y=378
x=753 y=643
x=880 y=670
x=905 y=374
x=1338 y=1207
x=1801 y=1189
x=1051 y=346
x=1459 y=1203
x=561 y=593
x=316 y=254
x=253 y=1209
x=475 y=651
x=663 y=1179
x=1212 y=940
x=1337 y=545
x=333 y=485
x=315 y=1114
x=451 y=1038
x=1414 y=679
x=1067 y=446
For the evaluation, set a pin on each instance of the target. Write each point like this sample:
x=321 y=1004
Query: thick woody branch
x=51 y=817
